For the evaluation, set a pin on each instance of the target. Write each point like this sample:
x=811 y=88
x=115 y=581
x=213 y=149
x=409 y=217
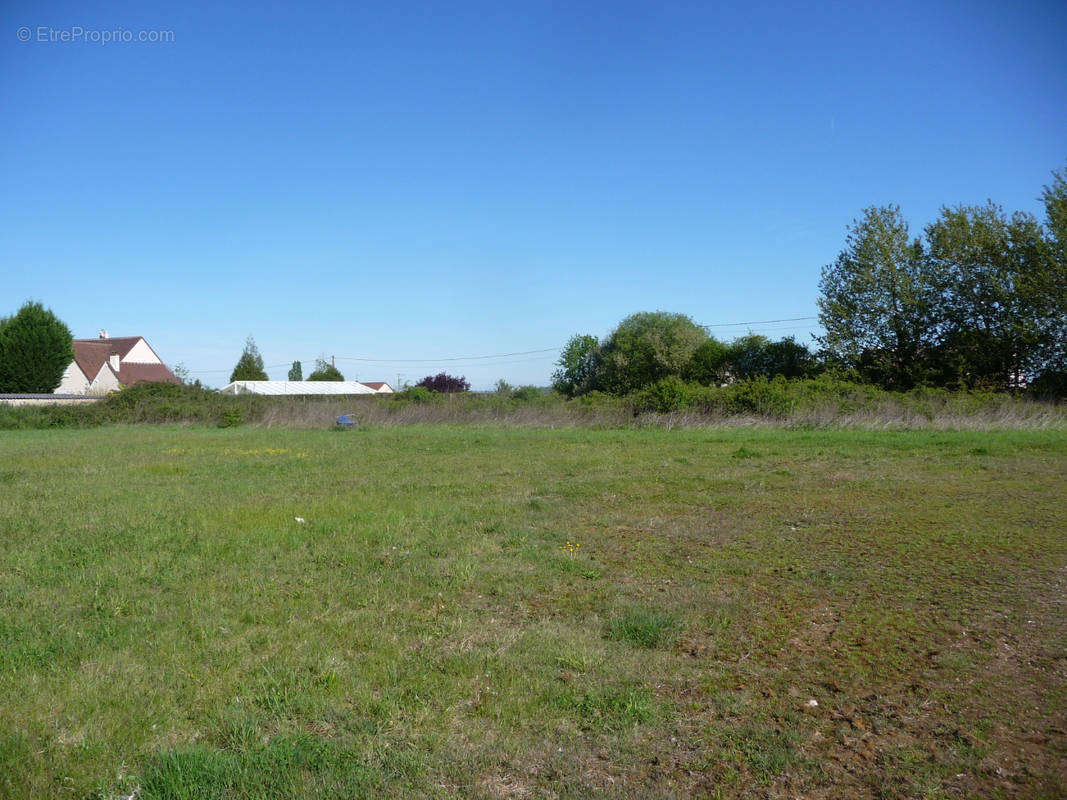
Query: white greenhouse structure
x=299 y=388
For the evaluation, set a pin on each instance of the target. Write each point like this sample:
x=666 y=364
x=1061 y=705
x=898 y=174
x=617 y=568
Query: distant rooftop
x=304 y=387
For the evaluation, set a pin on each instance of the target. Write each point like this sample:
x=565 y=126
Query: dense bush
x=665 y=395
x=755 y=356
x=35 y=350
x=710 y=364
x=141 y=403
x=414 y=394
x=171 y=402
x=36 y=417
x=325 y=371
x=780 y=398
x=445 y=383
x=645 y=348
x=520 y=393
x=526 y=394
x=770 y=398
x=598 y=399
x=1050 y=385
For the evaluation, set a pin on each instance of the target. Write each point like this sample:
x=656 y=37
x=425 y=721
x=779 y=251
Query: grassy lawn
x=509 y=613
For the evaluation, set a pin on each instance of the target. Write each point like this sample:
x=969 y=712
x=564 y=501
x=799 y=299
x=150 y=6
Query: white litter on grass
x=301 y=520
x=812 y=704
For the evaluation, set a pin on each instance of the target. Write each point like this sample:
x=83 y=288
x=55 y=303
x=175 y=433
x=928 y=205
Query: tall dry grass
x=819 y=403
x=887 y=412
x=458 y=410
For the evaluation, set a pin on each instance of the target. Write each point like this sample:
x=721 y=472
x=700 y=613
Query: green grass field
x=512 y=613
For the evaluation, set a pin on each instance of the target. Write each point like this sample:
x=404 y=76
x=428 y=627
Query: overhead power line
x=431 y=361
x=215 y=371
x=411 y=362
x=755 y=322
x=440 y=360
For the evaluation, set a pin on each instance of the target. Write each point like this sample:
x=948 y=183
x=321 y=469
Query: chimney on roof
x=103 y=334
x=113 y=359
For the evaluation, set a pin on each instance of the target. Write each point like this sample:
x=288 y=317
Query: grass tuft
x=642 y=628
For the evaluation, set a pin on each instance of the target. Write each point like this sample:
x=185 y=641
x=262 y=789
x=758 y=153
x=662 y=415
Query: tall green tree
x=325 y=371
x=1048 y=286
x=250 y=365
x=646 y=347
x=878 y=302
x=296 y=372
x=709 y=364
x=1055 y=199
x=754 y=356
x=990 y=266
x=577 y=365
x=35 y=350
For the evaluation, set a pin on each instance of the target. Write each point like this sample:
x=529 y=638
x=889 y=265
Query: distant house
x=106 y=364
x=380 y=387
x=298 y=388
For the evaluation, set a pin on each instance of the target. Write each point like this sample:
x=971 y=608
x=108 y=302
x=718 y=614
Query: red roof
x=375 y=385
x=135 y=373
x=92 y=354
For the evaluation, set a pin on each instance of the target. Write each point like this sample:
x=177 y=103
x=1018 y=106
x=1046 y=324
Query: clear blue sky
x=433 y=180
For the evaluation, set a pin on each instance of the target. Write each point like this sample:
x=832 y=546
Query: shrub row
x=782 y=398
x=830 y=396
x=141 y=403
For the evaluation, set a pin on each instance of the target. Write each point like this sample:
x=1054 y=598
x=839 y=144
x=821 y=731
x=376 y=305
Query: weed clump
x=641 y=628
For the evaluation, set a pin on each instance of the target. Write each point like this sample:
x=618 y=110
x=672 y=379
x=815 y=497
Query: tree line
x=651 y=346
x=250 y=367
x=979 y=302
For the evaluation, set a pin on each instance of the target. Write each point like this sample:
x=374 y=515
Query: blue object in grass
x=345 y=421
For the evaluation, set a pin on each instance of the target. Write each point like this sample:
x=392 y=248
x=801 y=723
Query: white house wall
x=74 y=381
x=105 y=381
x=141 y=353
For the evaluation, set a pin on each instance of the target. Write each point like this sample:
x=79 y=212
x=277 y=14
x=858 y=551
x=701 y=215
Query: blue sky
x=411 y=182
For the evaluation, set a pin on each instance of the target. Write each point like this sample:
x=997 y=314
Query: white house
x=379 y=387
x=297 y=388
x=105 y=364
